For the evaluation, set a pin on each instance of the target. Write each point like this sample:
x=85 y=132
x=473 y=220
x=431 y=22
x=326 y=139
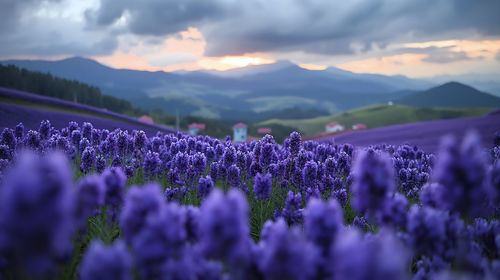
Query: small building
x=359 y=126
x=240 y=132
x=333 y=127
x=146 y=119
x=264 y=130
x=195 y=128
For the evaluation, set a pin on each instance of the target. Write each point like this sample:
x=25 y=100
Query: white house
x=194 y=128
x=240 y=132
x=333 y=127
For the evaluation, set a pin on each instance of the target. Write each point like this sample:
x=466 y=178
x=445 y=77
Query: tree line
x=47 y=85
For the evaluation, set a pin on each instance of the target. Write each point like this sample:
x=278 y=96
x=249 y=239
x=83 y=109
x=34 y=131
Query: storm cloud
x=49 y=28
x=234 y=27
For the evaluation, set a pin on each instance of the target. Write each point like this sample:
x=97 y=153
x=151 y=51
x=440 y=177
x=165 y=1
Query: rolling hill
x=19 y=106
x=377 y=116
x=234 y=94
x=452 y=94
x=433 y=132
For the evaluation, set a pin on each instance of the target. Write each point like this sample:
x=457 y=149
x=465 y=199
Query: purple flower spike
x=262 y=186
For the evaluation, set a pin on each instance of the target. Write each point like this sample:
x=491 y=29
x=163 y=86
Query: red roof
x=264 y=130
x=146 y=119
x=359 y=126
x=197 y=125
x=240 y=125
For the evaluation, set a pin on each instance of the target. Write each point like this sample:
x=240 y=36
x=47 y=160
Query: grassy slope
x=377 y=116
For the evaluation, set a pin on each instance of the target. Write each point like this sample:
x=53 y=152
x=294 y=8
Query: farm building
x=359 y=126
x=240 y=132
x=333 y=127
x=264 y=130
x=146 y=119
x=195 y=128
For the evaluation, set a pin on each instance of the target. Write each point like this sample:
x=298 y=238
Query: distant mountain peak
x=454 y=84
x=80 y=60
x=283 y=63
x=452 y=94
x=255 y=69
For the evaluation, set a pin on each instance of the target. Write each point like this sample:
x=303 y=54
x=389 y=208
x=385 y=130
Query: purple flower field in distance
x=13 y=113
x=425 y=135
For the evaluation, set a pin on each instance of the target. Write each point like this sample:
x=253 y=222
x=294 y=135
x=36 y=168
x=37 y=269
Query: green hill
x=377 y=116
x=451 y=95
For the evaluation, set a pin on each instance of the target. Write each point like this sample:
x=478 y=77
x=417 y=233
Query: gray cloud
x=439 y=55
x=23 y=31
x=498 y=56
x=236 y=27
x=316 y=26
x=154 y=17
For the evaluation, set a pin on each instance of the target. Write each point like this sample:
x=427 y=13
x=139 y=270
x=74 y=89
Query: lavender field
x=425 y=135
x=79 y=202
x=19 y=106
x=313 y=140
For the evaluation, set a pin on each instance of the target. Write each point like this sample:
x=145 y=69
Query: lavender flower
x=100 y=163
x=122 y=142
x=285 y=254
x=394 y=211
x=88 y=160
x=373 y=181
x=44 y=129
x=36 y=214
x=262 y=186
x=361 y=223
x=432 y=232
x=181 y=161
x=89 y=197
x=233 y=176
x=5 y=152
x=224 y=226
x=376 y=257
x=19 y=131
x=295 y=141
x=310 y=173
x=151 y=164
x=32 y=140
x=140 y=203
x=199 y=162
x=76 y=137
x=114 y=181
x=175 y=194
x=106 y=262
x=461 y=170
x=7 y=138
x=87 y=130
x=162 y=237
x=341 y=196
x=322 y=221
x=229 y=157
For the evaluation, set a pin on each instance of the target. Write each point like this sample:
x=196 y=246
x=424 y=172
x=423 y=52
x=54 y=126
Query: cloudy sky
x=417 y=38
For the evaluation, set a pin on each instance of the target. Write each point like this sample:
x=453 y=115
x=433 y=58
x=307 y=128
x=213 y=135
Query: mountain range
x=255 y=92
